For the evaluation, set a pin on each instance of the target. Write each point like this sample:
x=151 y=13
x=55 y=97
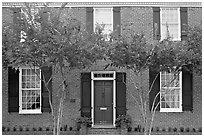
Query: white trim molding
x=111 y=76
x=106 y=4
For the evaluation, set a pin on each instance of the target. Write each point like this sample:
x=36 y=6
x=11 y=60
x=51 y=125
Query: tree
x=131 y=51
x=43 y=39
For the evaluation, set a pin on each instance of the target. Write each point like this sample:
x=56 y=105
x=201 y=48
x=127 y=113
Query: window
x=30 y=90
x=171 y=92
x=30 y=20
x=170 y=23
x=103 y=17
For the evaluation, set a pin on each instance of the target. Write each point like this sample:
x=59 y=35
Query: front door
x=103 y=102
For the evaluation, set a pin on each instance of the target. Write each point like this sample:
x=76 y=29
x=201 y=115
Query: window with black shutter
x=173 y=23
x=186 y=92
x=27 y=94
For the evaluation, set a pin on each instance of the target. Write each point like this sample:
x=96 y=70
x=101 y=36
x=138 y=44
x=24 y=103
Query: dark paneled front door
x=103 y=102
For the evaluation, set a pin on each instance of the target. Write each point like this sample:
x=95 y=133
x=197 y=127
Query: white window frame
x=179 y=24
x=34 y=111
x=180 y=96
x=94 y=21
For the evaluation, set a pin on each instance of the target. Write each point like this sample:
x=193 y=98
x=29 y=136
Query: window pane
x=28 y=72
x=104 y=16
x=170 y=19
x=170 y=94
x=23 y=71
x=30 y=97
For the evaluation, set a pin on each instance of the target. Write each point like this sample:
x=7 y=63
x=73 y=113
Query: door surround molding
x=103 y=75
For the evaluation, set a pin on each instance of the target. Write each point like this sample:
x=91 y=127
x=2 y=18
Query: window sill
x=170 y=110
x=30 y=112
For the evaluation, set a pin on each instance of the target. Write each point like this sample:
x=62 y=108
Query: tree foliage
x=136 y=54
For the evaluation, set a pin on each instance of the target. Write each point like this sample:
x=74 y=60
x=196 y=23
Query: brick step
x=104 y=131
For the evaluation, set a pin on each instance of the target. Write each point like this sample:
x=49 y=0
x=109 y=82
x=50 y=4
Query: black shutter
x=44 y=16
x=13 y=90
x=89 y=19
x=17 y=21
x=116 y=20
x=187 y=90
x=184 y=22
x=47 y=73
x=120 y=93
x=155 y=89
x=156 y=23
x=86 y=94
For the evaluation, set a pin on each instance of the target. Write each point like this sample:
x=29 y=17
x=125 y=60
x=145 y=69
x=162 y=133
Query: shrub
x=20 y=128
x=65 y=127
x=70 y=128
x=163 y=129
x=14 y=128
x=40 y=129
x=85 y=121
x=8 y=129
x=193 y=130
x=3 y=129
x=200 y=129
x=175 y=129
x=47 y=129
x=169 y=129
x=34 y=129
x=123 y=119
x=27 y=129
x=181 y=129
x=129 y=129
x=157 y=128
x=187 y=129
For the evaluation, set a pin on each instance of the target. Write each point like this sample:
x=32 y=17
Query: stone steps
x=104 y=131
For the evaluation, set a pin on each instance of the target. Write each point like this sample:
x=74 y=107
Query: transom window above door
x=170 y=23
x=102 y=75
x=103 y=18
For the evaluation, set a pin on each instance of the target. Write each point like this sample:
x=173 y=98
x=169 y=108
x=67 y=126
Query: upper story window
x=30 y=90
x=170 y=92
x=30 y=20
x=103 y=17
x=170 y=23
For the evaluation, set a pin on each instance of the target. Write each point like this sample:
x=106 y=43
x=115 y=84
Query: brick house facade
x=142 y=17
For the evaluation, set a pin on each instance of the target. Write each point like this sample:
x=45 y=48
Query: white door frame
x=92 y=91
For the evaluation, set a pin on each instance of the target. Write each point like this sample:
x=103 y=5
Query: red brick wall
x=195 y=17
x=138 y=19
x=141 y=20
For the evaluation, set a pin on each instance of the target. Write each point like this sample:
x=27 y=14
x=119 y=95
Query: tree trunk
x=60 y=110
